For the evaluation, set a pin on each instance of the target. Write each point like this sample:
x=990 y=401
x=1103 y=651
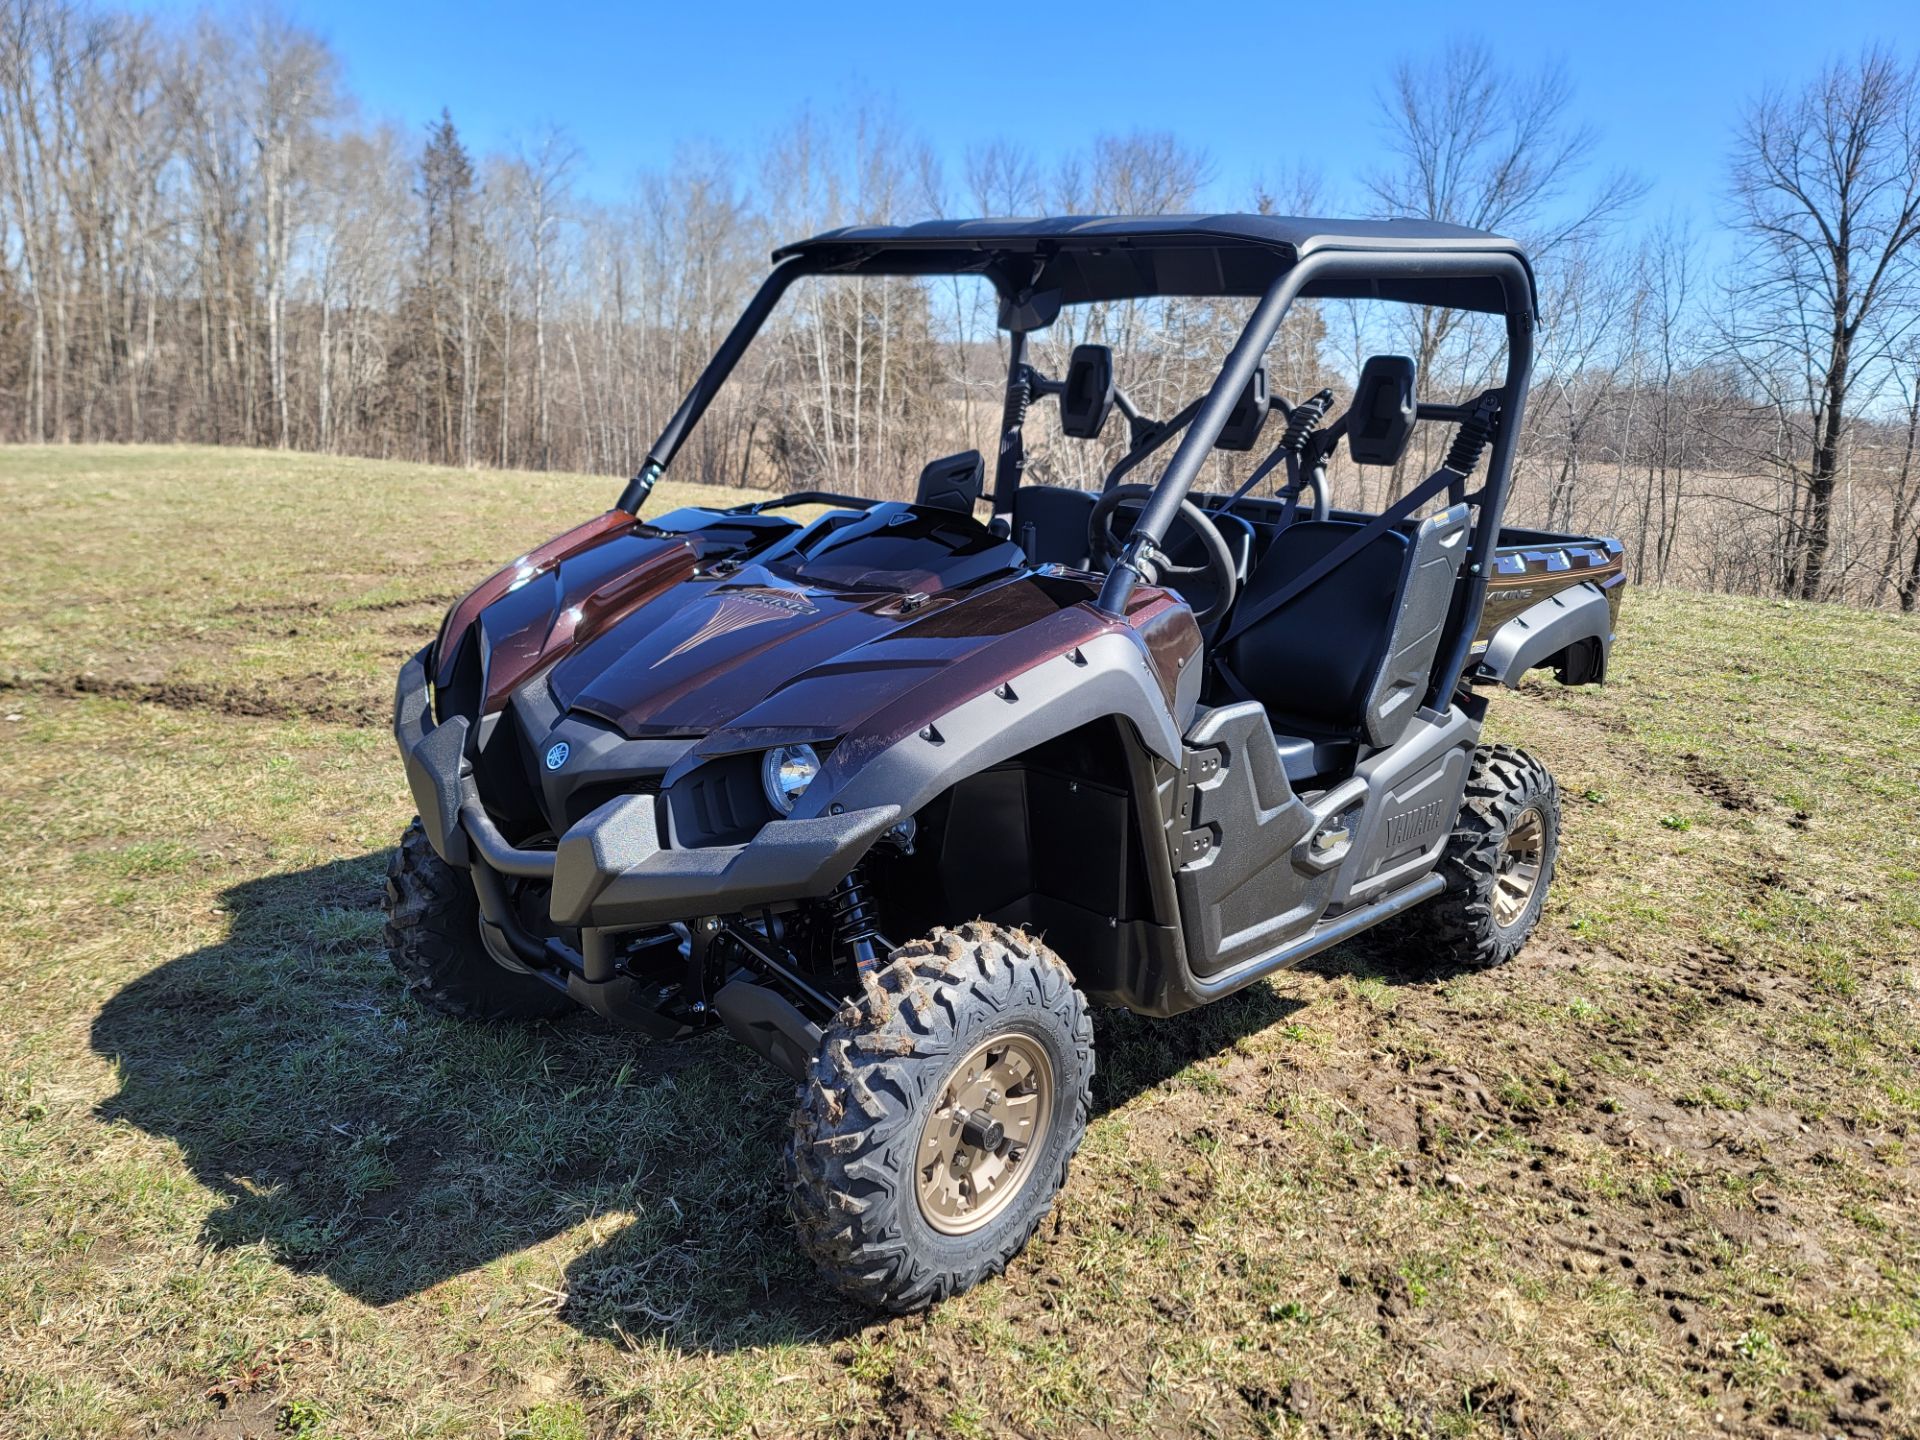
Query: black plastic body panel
x=607 y=877
x=1239 y=896
x=611 y=870
x=1414 y=792
x=432 y=757
x=1413 y=638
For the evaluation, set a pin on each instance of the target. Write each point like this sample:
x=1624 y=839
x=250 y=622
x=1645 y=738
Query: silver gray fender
x=1106 y=676
x=1550 y=628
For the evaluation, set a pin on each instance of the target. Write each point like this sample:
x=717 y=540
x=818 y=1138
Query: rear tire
x=1498 y=864
x=939 y=1115
x=433 y=939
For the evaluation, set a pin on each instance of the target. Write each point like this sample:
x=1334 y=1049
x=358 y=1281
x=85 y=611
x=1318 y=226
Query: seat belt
x=1440 y=480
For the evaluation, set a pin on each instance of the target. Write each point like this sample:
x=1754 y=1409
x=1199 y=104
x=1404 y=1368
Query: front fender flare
x=1108 y=676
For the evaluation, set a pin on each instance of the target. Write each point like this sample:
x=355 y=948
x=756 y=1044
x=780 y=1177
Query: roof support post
x=1184 y=468
x=710 y=381
x=1521 y=321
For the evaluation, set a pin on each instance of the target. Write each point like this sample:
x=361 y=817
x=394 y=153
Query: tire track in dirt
x=326 y=696
x=1669 y=1250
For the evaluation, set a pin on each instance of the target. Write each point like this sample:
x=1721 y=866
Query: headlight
x=786 y=772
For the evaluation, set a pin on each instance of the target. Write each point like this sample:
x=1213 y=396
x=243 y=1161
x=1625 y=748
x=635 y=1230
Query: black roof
x=1116 y=257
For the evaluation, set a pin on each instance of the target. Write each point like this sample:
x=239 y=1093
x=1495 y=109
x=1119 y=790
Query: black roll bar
x=1356 y=266
x=1351 y=265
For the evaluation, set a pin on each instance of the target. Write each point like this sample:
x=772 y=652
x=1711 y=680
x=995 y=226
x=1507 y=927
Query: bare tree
x=1903 y=528
x=287 y=91
x=1475 y=145
x=1827 y=188
x=541 y=179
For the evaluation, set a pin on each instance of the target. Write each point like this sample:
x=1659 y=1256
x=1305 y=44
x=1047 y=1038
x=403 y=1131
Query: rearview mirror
x=1086 y=397
x=1029 y=310
x=1380 y=420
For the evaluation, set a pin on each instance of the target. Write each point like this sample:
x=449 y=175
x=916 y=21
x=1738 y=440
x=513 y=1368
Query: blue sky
x=631 y=83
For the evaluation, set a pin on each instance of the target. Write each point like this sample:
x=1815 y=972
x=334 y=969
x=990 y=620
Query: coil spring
x=1305 y=419
x=1019 y=398
x=855 y=928
x=1475 y=432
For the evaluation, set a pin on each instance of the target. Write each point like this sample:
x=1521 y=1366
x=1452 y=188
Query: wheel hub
x=1518 y=877
x=989 y=1119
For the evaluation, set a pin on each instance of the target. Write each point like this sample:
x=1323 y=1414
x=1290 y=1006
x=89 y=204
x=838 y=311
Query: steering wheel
x=1105 y=547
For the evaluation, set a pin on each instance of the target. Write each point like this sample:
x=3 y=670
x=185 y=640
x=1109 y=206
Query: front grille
x=505 y=781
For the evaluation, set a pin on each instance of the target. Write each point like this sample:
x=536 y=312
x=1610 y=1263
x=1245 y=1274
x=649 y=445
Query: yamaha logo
x=736 y=610
x=557 y=754
x=1415 y=824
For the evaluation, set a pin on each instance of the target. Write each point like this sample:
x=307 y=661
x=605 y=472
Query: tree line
x=202 y=241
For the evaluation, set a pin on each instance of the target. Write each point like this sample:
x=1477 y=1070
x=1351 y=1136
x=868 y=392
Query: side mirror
x=1380 y=420
x=1249 y=413
x=1086 y=396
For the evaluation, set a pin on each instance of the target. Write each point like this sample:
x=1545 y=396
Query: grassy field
x=1659 y=1177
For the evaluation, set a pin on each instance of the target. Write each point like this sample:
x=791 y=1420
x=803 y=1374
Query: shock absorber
x=856 y=925
x=1305 y=419
x=1013 y=421
x=1475 y=431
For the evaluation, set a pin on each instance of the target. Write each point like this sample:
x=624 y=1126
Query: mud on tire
x=1482 y=918
x=433 y=939
x=882 y=1069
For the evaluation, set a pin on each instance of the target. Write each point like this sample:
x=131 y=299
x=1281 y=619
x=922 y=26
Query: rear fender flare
x=1549 y=628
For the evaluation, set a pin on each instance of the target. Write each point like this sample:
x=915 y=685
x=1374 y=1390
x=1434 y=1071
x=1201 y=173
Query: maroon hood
x=670 y=634
x=760 y=653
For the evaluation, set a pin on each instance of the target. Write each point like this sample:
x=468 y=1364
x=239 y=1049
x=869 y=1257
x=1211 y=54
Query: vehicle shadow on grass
x=361 y=1139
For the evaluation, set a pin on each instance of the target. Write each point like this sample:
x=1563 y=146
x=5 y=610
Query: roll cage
x=1039 y=267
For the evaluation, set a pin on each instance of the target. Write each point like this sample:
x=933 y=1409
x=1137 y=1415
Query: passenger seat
x=1059 y=520
x=1347 y=660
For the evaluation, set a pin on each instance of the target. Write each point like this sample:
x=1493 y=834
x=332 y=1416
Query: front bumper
x=612 y=870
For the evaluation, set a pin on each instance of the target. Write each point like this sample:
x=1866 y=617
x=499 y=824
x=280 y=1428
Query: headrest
x=1249 y=413
x=953 y=483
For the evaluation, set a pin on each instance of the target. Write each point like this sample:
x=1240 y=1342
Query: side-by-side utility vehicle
x=895 y=793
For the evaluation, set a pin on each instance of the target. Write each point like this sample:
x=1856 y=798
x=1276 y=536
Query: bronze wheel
x=1498 y=865
x=938 y=1117
x=994 y=1111
x=1521 y=855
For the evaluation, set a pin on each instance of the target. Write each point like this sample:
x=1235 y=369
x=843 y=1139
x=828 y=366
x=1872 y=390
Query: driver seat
x=1058 y=517
x=1346 y=661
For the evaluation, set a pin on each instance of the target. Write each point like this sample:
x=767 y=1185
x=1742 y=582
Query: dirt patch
x=326 y=696
x=245 y=1405
x=1606 y=1162
x=1727 y=791
x=340 y=607
x=413 y=602
x=278 y=607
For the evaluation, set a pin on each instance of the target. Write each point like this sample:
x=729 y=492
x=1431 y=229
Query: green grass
x=1661 y=1176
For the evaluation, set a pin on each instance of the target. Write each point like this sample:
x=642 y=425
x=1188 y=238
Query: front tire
x=939 y=1115
x=1498 y=864
x=433 y=939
